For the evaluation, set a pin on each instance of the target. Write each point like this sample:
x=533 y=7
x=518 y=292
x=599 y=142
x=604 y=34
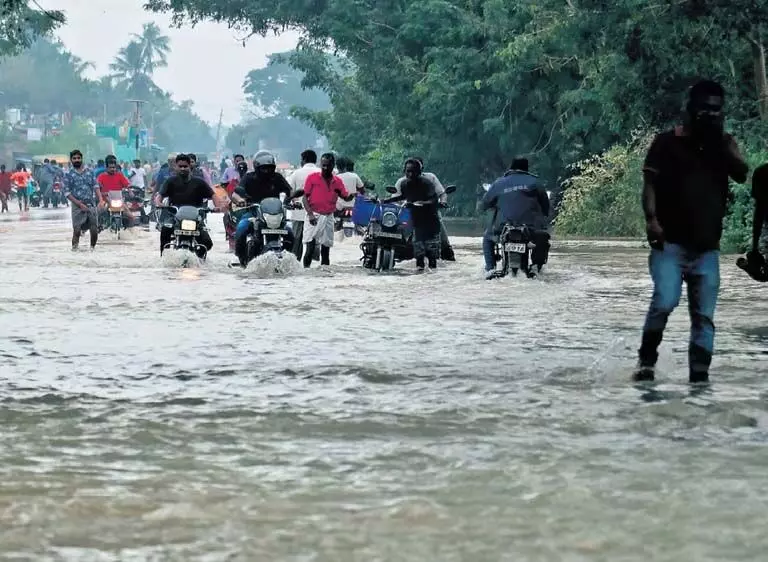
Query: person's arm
x=162 y=192
x=439 y=189
x=394 y=198
x=737 y=167
x=68 y=193
x=489 y=199
x=652 y=170
x=307 y=189
x=98 y=193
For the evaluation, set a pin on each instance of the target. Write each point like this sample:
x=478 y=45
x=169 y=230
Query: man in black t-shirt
x=183 y=189
x=685 y=195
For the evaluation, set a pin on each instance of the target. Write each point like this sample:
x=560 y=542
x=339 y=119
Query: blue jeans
x=701 y=272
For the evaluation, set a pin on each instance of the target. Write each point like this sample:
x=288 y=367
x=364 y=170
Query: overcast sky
x=207 y=64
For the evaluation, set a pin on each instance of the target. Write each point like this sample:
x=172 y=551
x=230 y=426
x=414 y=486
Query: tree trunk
x=761 y=81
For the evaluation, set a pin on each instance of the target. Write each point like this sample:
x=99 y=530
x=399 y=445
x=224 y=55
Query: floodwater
x=151 y=412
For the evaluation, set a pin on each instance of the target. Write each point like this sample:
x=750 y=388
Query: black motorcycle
x=269 y=230
x=187 y=222
x=515 y=247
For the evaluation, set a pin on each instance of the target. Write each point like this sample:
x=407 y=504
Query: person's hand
x=312 y=219
x=655 y=233
x=83 y=206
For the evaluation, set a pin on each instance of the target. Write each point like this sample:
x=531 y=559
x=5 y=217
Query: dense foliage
x=468 y=84
x=21 y=25
x=45 y=78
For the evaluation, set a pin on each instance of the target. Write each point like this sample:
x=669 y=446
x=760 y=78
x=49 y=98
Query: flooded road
x=155 y=413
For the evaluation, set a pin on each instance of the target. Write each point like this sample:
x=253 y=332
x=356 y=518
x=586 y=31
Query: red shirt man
x=322 y=193
x=112 y=180
x=5 y=181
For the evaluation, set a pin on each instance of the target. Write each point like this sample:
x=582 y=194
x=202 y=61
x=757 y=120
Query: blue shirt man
x=516 y=198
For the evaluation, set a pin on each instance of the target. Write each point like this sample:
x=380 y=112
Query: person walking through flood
x=685 y=194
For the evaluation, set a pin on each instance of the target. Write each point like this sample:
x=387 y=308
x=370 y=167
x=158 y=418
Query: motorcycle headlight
x=389 y=219
x=273 y=221
x=188 y=225
x=116 y=204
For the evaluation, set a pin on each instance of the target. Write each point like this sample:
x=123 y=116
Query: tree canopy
x=469 y=84
x=21 y=25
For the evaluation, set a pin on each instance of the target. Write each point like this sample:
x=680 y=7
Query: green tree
x=21 y=25
x=131 y=74
x=155 y=47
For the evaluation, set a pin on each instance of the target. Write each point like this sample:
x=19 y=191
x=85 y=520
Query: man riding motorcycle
x=113 y=180
x=183 y=189
x=516 y=198
x=256 y=186
x=446 y=250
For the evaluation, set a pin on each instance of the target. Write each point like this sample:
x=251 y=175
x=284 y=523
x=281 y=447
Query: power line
x=55 y=17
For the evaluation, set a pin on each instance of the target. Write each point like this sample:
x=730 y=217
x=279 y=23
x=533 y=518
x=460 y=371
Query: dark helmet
x=264 y=158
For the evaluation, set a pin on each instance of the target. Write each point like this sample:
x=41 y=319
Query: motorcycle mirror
x=391 y=189
x=450 y=189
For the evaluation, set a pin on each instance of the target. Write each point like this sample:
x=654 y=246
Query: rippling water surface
x=155 y=413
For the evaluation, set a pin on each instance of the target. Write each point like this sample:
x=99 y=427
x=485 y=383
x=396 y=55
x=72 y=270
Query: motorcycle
x=35 y=195
x=514 y=247
x=388 y=236
x=187 y=223
x=137 y=205
x=269 y=231
x=114 y=218
x=343 y=221
x=56 y=197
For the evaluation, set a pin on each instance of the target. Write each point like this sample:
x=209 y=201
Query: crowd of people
x=685 y=198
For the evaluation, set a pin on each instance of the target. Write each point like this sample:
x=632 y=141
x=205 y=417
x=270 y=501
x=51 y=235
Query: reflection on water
x=158 y=413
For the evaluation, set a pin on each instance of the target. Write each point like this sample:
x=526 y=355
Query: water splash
x=175 y=259
x=272 y=265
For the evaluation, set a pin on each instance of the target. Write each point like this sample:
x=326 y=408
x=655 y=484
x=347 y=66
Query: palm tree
x=130 y=72
x=154 y=47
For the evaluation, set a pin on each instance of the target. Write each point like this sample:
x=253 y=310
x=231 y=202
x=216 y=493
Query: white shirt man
x=138 y=176
x=296 y=179
x=353 y=183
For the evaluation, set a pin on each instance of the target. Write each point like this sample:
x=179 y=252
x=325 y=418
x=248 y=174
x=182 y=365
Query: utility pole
x=218 y=135
x=137 y=123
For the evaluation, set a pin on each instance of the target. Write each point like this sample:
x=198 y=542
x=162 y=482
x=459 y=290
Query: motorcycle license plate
x=517 y=248
x=348 y=224
x=186 y=232
x=389 y=235
x=273 y=231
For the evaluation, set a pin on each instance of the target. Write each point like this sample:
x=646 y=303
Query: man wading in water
x=81 y=189
x=321 y=191
x=685 y=194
